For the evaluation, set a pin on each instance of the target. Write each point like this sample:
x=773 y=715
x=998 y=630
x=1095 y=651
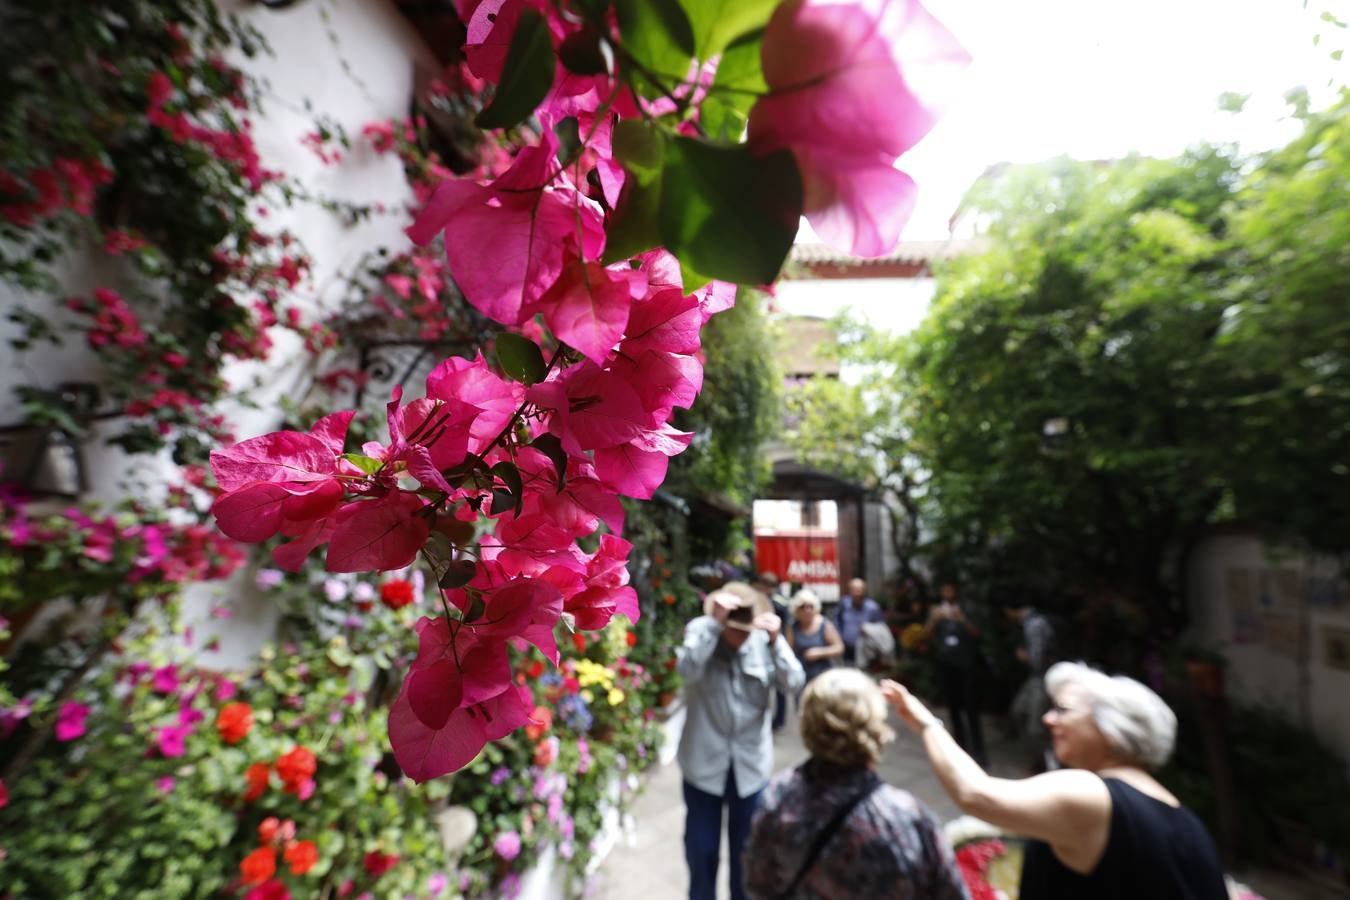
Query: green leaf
x=527 y=76
x=641 y=148
x=716 y=24
x=726 y=214
x=656 y=34
x=739 y=82
x=509 y=475
x=457 y=574
x=568 y=132
x=551 y=446
x=635 y=225
x=364 y=463
x=520 y=358
x=502 y=500
x=581 y=54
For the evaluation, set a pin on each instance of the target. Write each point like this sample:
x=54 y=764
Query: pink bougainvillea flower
x=70 y=721
x=587 y=308
x=521 y=223
x=473 y=382
x=378 y=535
x=852 y=86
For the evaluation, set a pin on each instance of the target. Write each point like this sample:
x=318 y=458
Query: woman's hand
x=913 y=713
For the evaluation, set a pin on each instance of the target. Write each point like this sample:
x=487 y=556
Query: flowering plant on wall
x=130 y=136
x=628 y=214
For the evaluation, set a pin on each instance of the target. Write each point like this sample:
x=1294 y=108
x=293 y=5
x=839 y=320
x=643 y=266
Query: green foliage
x=1185 y=317
x=727 y=214
x=527 y=75
x=738 y=410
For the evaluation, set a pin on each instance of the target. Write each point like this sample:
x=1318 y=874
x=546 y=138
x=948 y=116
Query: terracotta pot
x=665 y=699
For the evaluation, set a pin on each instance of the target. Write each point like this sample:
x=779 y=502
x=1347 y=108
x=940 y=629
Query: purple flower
x=363 y=591
x=555 y=805
x=226 y=689
x=335 y=589
x=510 y=887
x=70 y=721
x=507 y=845
x=567 y=828
x=500 y=775
x=165 y=784
x=437 y=883
x=268 y=578
x=567 y=849
x=165 y=680
x=172 y=739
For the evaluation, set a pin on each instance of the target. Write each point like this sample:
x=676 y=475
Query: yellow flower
x=587 y=696
x=615 y=696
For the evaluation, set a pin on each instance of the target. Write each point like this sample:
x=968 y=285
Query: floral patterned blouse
x=890 y=846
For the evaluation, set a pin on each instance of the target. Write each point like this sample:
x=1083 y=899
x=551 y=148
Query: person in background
x=1031 y=701
x=952 y=636
x=767 y=584
x=732 y=658
x=830 y=828
x=854 y=609
x=1103 y=827
x=813 y=637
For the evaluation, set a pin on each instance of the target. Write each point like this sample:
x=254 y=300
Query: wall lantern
x=1055 y=434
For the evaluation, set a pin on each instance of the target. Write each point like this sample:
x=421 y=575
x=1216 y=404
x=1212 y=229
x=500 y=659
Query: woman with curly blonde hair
x=830 y=828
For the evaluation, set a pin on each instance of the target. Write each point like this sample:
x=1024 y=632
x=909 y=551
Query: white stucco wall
x=304 y=78
x=306 y=65
x=1271 y=613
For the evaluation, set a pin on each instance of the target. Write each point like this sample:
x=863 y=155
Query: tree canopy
x=1181 y=321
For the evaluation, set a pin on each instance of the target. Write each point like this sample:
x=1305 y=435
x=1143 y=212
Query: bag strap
x=824 y=835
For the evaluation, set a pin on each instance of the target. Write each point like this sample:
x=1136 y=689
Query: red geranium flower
x=540 y=721
x=632 y=638
x=267 y=829
x=234 y=721
x=257 y=776
x=301 y=856
x=269 y=890
x=378 y=863
x=396 y=594
x=259 y=865
x=296 y=768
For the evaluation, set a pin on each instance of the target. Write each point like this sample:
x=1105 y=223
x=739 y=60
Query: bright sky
x=1093 y=79
x=1096 y=80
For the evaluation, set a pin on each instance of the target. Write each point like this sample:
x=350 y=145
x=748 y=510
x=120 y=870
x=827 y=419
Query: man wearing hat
x=732 y=660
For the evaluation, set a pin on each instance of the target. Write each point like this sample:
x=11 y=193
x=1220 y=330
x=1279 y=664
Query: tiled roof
x=907 y=253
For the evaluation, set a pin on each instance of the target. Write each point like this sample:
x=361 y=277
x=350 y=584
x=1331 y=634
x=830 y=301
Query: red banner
x=806 y=559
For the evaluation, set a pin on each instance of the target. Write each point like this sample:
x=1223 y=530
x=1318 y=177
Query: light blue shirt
x=729 y=697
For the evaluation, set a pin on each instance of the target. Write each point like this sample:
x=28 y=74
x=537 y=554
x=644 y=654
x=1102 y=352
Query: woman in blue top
x=812 y=637
x=1102 y=828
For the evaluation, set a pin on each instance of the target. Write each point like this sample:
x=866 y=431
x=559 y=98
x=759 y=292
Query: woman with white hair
x=812 y=637
x=830 y=828
x=1103 y=827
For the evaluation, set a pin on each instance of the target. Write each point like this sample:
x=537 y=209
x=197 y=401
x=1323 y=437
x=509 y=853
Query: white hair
x=1134 y=720
x=805 y=595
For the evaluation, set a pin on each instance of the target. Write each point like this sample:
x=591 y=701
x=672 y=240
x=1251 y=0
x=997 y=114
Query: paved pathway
x=648 y=861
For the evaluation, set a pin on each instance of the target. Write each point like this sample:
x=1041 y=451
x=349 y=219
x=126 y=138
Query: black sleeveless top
x=1153 y=851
